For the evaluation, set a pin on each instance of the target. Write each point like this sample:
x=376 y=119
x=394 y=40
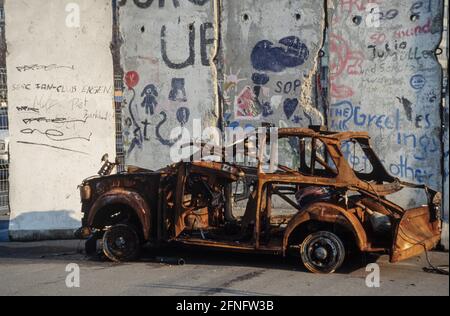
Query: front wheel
x=121 y=243
x=322 y=252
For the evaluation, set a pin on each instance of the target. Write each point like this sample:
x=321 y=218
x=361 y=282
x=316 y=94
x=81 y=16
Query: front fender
x=129 y=198
x=327 y=213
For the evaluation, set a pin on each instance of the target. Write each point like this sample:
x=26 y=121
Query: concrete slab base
x=38 y=235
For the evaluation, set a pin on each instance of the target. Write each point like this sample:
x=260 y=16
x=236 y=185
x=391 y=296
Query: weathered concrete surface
x=166 y=57
x=39 y=269
x=60 y=92
x=385 y=79
x=270 y=62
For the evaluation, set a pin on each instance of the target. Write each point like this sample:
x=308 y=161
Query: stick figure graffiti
x=150 y=93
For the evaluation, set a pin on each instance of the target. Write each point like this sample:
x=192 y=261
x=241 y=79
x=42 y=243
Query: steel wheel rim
x=323 y=253
x=121 y=242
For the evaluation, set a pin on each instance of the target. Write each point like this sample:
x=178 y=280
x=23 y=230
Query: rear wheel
x=121 y=243
x=322 y=252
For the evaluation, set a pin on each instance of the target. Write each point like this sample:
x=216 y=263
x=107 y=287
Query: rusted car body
x=337 y=209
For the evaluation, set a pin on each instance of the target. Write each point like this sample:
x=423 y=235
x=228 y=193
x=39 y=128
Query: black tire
x=93 y=247
x=121 y=243
x=322 y=252
x=90 y=247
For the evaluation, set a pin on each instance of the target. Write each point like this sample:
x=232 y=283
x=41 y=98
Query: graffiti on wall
x=274 y=69
x=60 y=109
x=345 y=61
x=385 y=79
x=137 y=125
x=205 y=43
x=257 y=101
x=42 y=121
x=161 y=3
x=161 y=56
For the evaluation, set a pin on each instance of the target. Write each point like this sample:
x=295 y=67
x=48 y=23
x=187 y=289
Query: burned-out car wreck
x=334 y=206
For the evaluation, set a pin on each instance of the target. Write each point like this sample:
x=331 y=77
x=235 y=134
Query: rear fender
x=327 y=213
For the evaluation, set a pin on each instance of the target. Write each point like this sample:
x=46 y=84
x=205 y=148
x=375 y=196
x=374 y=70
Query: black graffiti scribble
x=54 y=134
x=432 y=97
x=37 y=67
x=263 y=107
x=199 y=2
x=46 y=103
x=96 y=116
x=27 y=109
x=161 y=3
x=165 y=142
x=309 y=117
x=407 y=105
x=55 y=120
x=146 y=124
x=54 y=147
x=206 y=40
x=190 y=61
x=138 y=138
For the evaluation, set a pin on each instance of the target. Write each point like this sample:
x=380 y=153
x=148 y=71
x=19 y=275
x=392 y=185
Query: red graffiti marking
x=343 y=61
x=378 y=38
x=339 y=56
x=131 y=79
x=335 y=20
x=359 y=5
x=414 y=31
x=341 y=91
x=245 y=103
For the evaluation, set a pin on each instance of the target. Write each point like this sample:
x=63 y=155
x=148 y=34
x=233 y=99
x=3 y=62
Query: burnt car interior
x=209 y=199
x=208 y=205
